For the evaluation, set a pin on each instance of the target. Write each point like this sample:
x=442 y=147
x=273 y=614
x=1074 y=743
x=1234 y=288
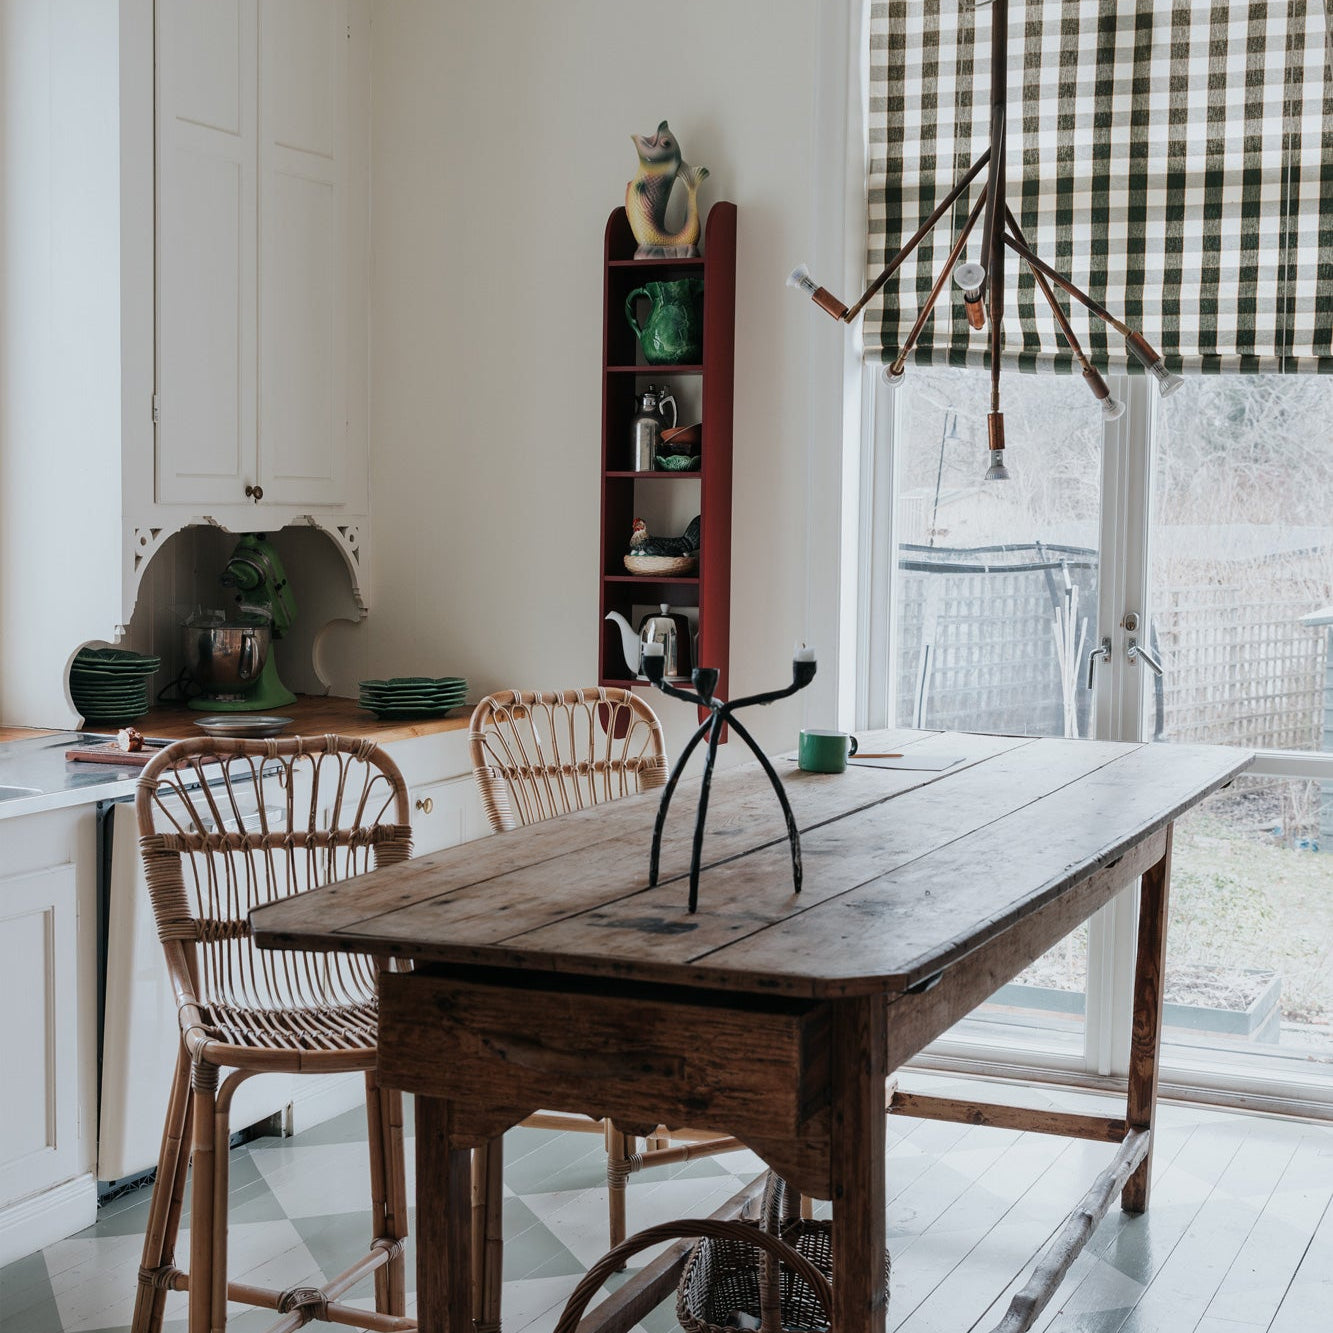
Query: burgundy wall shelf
x=622 y=368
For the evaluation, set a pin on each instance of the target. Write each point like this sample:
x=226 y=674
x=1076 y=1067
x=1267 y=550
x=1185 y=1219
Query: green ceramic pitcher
x=674 y=333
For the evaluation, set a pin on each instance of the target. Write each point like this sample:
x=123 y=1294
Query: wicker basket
x=728 y=1274
x=662 y=566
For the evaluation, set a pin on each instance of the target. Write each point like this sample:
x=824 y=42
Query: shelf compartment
x=646 y=370
x=647 y=580
x=653 y=476
x=650 y=265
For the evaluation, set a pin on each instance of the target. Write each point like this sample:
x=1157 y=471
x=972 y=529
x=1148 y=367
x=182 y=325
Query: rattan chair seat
x=349 y=1028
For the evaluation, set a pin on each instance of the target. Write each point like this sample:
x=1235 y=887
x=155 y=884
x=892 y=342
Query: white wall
x=500 y=145
x=59 y=343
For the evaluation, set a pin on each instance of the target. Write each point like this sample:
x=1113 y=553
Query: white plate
x=250 y=725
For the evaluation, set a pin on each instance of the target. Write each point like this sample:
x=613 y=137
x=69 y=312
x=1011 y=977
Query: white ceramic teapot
x=669 y=628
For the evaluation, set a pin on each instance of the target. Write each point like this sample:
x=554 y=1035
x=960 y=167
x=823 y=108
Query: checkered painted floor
x=1239 y=1238
x=299 y=1211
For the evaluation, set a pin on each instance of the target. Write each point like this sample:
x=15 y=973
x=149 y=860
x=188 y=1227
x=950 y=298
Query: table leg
x=444 y=1223
x=859 y=1066
x=1146 y=1042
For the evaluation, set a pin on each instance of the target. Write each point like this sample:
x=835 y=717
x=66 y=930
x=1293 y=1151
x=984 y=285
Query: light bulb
x=800 y=278
x=1151 y=360
x=894 y=378
x=969 y=276
x=1167 y=383
x=1112 y=409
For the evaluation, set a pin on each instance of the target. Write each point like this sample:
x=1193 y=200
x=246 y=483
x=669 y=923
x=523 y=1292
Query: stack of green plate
x=413 y=696
x=111 y=684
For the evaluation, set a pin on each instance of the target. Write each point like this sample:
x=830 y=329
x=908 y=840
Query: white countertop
x=39 y=763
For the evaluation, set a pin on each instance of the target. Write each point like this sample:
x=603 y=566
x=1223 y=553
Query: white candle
x=803 y=654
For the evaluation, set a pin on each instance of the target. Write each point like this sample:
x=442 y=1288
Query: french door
x=1165 y=577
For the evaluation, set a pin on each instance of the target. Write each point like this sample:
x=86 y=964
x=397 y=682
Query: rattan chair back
x=536 y=755
x=226 y=825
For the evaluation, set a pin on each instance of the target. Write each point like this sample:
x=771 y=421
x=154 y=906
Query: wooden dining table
x=546 y=973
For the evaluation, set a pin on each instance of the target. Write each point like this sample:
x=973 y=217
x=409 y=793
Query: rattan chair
x=535 y=756
x=226 y=825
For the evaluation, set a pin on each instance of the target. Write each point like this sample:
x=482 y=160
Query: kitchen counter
x=33 y=764
x=35 y=775
x=312 y=715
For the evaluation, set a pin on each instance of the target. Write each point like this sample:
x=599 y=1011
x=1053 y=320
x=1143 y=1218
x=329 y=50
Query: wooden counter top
x=314 y=715
x=23 y=733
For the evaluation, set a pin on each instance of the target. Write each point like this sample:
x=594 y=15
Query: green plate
x=406 y=714
x=415 y=696
x=402 y=682
x=114 y=657
x=117 y=696
x=93 y=674
x=112 y=714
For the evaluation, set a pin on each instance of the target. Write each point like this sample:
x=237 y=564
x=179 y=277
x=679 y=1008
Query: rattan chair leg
x=222 y=1188
x=159 y=1243
x=392 y=1101
x=487 y=1234
x=204 y=1082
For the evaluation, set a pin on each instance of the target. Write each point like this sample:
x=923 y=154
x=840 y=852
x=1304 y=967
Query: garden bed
x=1234 y=1004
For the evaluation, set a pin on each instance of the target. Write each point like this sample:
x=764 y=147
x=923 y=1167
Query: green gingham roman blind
x=1173 y=158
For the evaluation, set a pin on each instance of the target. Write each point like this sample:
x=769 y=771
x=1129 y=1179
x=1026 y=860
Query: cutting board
x=111 y=753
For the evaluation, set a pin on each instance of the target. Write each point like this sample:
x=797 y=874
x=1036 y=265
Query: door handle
x=1136 y=651
x=1101 y=653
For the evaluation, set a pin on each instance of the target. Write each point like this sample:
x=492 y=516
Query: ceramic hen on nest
x=663 y=556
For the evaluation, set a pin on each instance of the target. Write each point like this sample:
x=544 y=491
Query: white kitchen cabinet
x=262 y=127
x=445 y=806
x=446 y=813
x=168 y=266
x=48 y=1045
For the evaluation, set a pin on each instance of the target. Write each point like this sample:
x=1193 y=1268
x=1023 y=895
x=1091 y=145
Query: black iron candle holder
x=720 y=714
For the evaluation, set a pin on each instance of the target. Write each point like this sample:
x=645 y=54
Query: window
x=1211 y=515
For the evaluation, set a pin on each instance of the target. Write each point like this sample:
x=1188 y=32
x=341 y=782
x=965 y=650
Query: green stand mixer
x=231 y=659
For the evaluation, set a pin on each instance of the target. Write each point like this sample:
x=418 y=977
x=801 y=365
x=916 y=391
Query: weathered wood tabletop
x=547 y=973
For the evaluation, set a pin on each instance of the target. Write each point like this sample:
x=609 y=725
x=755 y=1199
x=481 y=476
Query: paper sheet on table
x=928 y=763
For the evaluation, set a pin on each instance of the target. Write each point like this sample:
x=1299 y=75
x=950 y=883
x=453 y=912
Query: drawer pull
x=425 y=804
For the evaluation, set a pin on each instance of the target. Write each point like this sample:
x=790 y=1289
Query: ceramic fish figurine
x=641 y=543
x=647 y=194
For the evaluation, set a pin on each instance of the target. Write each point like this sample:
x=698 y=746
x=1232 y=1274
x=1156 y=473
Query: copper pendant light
x=982 y=283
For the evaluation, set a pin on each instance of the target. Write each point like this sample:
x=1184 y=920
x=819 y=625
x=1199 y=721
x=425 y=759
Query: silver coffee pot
x=646 y=426
x=669 y=628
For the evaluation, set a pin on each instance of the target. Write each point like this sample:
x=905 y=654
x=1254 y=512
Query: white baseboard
x=41 y=1219
x=325 y=1097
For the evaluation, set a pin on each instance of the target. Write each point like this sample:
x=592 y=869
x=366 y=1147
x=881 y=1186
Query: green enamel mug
x=825 y=751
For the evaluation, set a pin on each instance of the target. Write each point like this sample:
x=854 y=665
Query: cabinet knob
x=425 y=804
x=255 y=493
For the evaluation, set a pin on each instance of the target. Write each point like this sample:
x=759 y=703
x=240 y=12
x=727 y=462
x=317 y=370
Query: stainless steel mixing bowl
x=226 y=659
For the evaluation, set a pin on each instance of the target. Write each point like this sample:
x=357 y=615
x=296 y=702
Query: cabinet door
x=207 y=264
x=445 y=814
x=303 y=411
x=39 y=1123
